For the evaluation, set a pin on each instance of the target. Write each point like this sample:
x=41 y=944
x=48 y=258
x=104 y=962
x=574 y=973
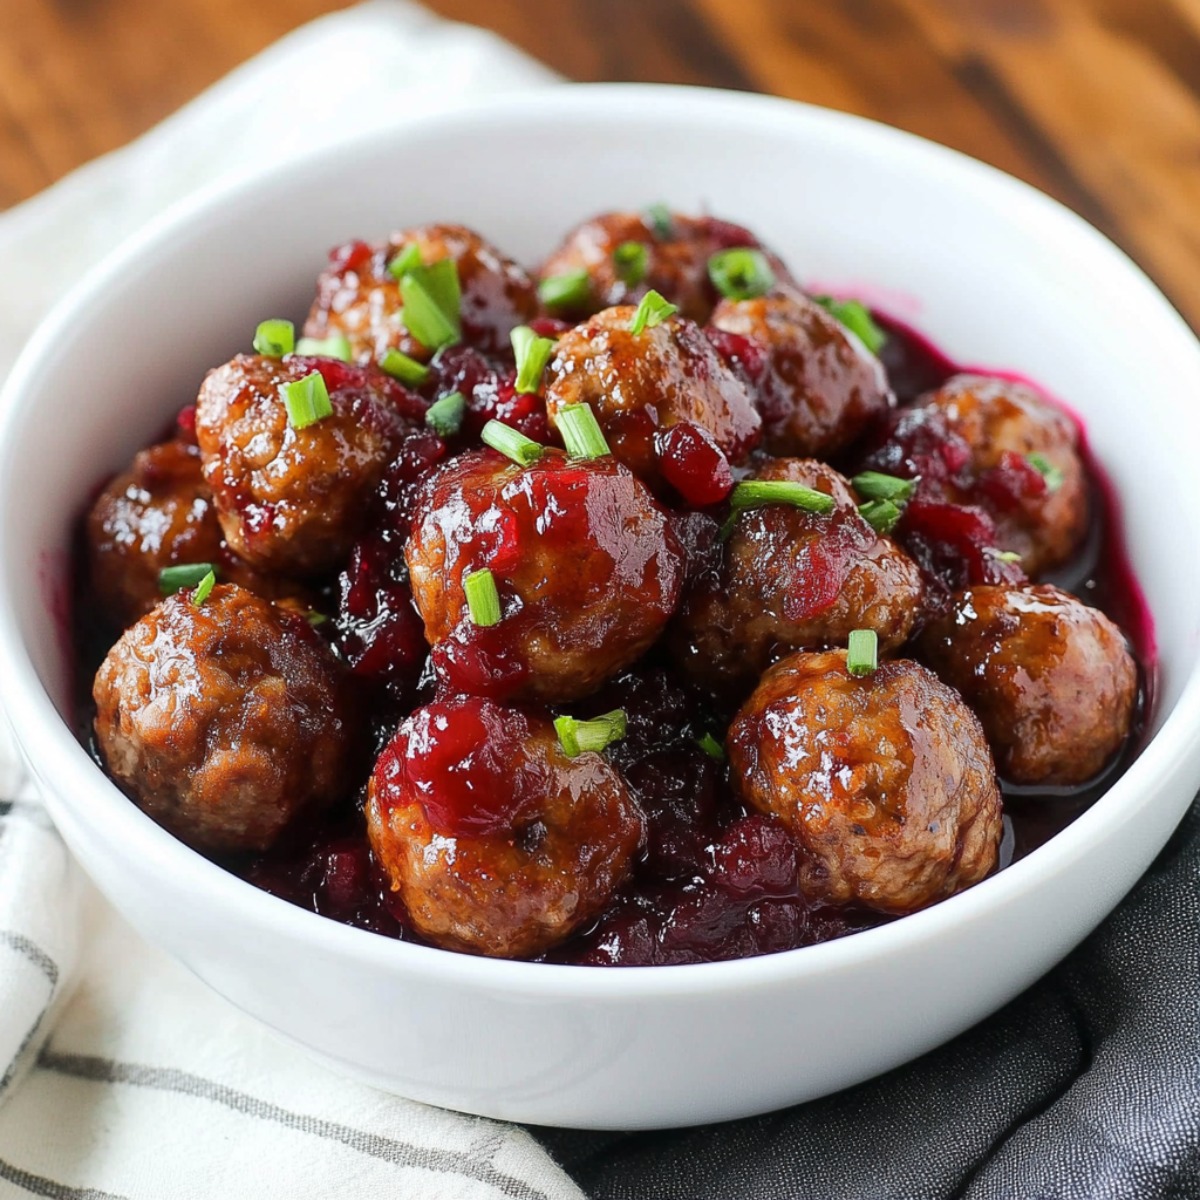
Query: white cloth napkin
x=121 y=1075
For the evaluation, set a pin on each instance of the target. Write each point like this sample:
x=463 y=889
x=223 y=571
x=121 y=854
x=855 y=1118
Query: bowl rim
x=58 y=758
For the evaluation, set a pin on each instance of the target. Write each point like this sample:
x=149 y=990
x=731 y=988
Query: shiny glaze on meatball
x=289 y=499
x=586 y=564
x=886 y=781
x=641 y=384
x=358 y=297
x=788 y=579
x=225 y=720
x=498 y=843
x=1051 y=679
x=818 y=387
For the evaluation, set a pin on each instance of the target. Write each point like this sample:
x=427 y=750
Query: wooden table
x=1094 y=101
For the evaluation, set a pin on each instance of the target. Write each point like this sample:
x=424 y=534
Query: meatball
x=641 y=384
x=224 y=720
x=886 y=781
x=587 y=567
x=1025 y=458
x=289 y=499
x=1051 y=679
x=677 y=254
x=818 y=385
x=498 y=843
x=358 y=297
x=789 y=580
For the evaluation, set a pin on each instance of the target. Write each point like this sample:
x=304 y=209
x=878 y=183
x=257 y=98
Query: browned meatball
x=886 y=781
x=358 y=297
x=586 y=564
x=498 y=843
x=677 y=257
x=294 y=500
x=1041 y=518
x=818 y=385
x=790 y=580
x=223 y=720
x=1051 y=679
x=640 y=384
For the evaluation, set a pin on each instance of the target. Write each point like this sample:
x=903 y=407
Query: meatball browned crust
x=640 y=384
x=294 y=500
x=886 y=781
x=789 y=579
x=818 y=385
x=586 y=564
x=498 y=843
x=1051 y=679
x=224 y=720
x=357 y=295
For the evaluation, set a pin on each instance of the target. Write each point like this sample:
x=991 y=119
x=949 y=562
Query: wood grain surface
x=1094 y=101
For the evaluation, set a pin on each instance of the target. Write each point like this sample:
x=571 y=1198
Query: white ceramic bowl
x=997 y=274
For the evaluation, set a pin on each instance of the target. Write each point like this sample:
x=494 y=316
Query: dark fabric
x=1087 y=1087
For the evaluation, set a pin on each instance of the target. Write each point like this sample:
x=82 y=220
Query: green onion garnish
x=881 y=515
x=875 y=485
x=578 y=737
x=483 y=601
x=337 y=345
x=445 y=415
x=1006 y=556
x=741 y=273
x=570 y=290
x=511 y=443
x=711 y=747
x=275 y=338
x=631 y=260
x=855 y=316
x=306 y=400
x=204 y=588
x=1047 y=470
x=653 y=310
x=658 y=218
x=404 y=261
x=757 y=493
x=581 y=432
x=407 y=370
x=432 y=299
x=183 y=575
x=533 y=353
x=862 y=652
x=315 y=618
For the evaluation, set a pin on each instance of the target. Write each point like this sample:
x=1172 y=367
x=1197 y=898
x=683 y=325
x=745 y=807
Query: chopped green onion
x=204 y=588
x=875 y=485
x=335 y=346
x=631 y=260
x=400 y=366
x=432 y=299
x=862 y=652
x=182 y=575
x=445 y=415
x=570 y=290
x=315 y=618
x=578 y=737
x=1047 y=470
x=658 y=217
x=653 y=310
x=306 y=400
x=1006 y=556
x=757 y=493
x=275 y=338
x=511 y=443
x=711 y=747
x=533 y=353
x=741 y=273
x=404 y=261
x=881 y=515
x=483 y=601
x=856 y=317
x=581 y=432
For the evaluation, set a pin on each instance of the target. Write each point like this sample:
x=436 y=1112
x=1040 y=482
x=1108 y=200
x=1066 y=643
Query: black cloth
x=1086 y=1087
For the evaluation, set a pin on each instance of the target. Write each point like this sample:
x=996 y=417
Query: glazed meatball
x=886 y=781
x=587 y=567
x=1051 y=679
x=358 y=297
x=223 y=720
x=294 y=500
x=639 y=385
x=788 y=579
x=498 y=843
x=1025 y=457
x=818 y=385
x=677 y=252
